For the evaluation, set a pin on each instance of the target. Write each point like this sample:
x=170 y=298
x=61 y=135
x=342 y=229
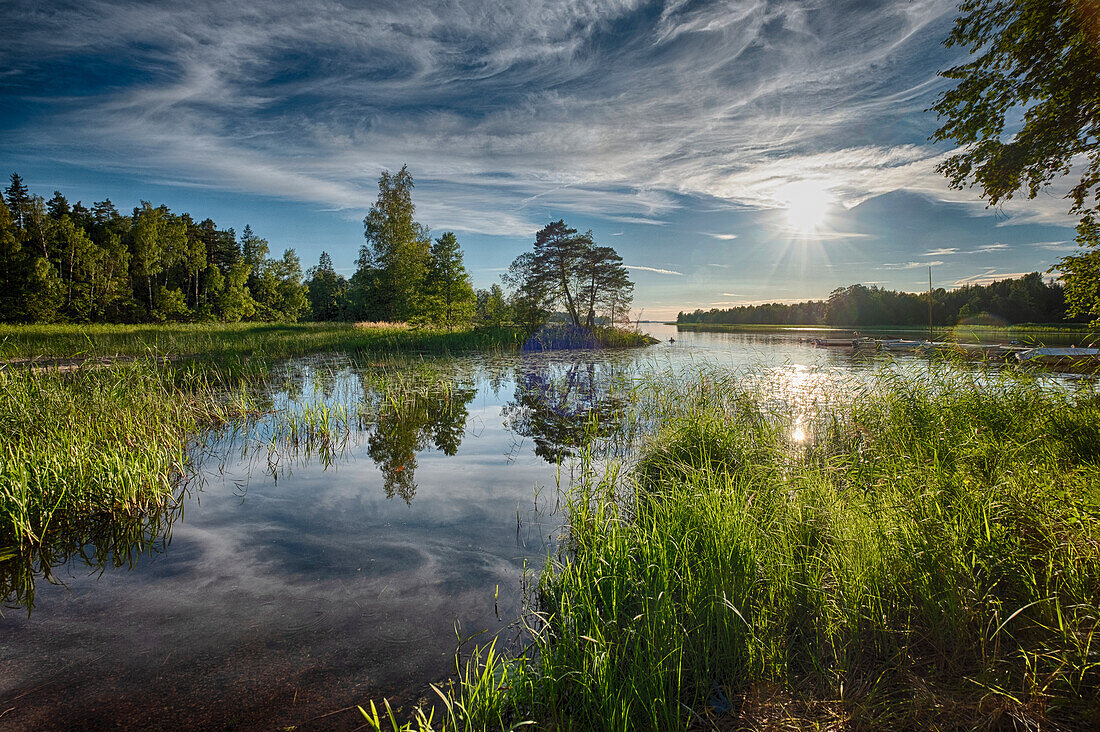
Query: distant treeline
x=1028 y=299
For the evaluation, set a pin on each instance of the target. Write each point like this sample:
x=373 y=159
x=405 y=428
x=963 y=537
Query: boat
x=1071 y=356
x=859 y=343
x=901 y=345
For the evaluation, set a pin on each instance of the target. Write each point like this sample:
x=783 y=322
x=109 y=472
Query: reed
x=926 y=555
x=95 y=441
x=237 y=341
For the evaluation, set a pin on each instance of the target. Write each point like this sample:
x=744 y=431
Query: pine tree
x=17 y=196
x=58 y=206
x=452 y=299
x=327 y=291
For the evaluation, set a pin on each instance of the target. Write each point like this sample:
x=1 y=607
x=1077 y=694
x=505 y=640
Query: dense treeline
x=1027 y=299
x=67 y=262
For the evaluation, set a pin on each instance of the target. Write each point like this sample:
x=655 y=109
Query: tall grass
x=96 y=441
x=927 y=556
x=241 y=340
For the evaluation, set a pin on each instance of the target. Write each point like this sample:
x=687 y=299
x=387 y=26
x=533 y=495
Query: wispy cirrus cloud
x=912 y=265
x=308 y=100
x=657 y=270
x=987 y=248
x=988 y=277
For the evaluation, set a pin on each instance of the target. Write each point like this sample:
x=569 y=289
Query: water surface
x=299 y=576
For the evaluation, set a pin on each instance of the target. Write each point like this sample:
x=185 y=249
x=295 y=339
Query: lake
x=306 y=570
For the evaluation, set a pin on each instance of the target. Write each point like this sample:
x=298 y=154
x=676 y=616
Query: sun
x=807 y=202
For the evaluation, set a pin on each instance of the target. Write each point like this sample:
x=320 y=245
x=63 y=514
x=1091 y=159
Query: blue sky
x=732 y=152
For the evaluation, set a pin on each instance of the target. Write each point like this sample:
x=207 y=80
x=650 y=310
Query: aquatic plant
x=926 y=550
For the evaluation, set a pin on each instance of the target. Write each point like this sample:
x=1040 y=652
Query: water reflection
x=89 y=547
x=567 y=406
x=406 y=423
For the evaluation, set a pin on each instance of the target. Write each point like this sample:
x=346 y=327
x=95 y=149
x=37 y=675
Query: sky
x=732 y=152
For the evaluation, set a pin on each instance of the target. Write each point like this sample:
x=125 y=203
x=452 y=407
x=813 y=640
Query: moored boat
x=1071 y=356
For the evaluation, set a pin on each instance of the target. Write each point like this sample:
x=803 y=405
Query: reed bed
x=235 y=341
x=922 y=552
x=96 y=441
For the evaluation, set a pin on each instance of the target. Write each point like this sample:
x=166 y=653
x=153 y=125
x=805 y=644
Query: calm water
x=295 y=581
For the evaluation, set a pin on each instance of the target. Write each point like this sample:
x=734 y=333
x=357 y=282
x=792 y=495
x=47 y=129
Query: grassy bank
x=236 y=341
x=1024 y=332
x=927 y=556
x=96 y=442
x=227 y=341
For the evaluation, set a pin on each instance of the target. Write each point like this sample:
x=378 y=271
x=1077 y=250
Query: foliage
x=492 y=310
x=450 y=296
x=394 y=261
x=327 y=291
x=1031 y=58
x=1024 y=299
x=568 y=270
x=1025 y=110
x=1081 y=273
x=71 y=263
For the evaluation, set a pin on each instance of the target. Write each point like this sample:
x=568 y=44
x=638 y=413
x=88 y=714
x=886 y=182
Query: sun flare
x=808 y=202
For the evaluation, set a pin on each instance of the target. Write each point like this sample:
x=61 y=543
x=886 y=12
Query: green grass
x=271 y=341
x=1024 y=332
x=96 y=441
x=929 y=557
x=240 y=340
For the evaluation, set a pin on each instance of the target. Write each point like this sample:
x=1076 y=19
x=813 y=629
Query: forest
x=1027 y=299
x=69 y=263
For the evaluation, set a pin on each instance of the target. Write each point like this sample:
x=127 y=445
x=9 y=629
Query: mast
x=930 y=304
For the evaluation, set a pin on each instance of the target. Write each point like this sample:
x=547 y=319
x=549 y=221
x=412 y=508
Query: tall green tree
x=32 y=289
x=17 y=197
x=604 y=282
x=327 y=291
x=58 y=206
x=1039 y=60
x=452 y=299
x=569 y=271
x=157 y=241
x=1081 y=273
x=558 y=253
x=393 y=263
x=80 y=261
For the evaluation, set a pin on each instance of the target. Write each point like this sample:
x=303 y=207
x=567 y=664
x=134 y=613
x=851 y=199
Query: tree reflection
x=564 y=407
x=407 y=421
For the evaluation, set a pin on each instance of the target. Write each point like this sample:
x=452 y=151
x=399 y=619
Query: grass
x=270 y=341
x=928 y=556
x=96 y=442
x=227 y=341
x=1024 y=332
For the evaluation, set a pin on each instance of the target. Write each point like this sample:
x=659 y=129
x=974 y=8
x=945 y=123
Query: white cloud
x=987 y=277
x=654 y=269
x=911 y=265
x=986 y=248
x=723 y=237
x=941 y=252
x=309 y=100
